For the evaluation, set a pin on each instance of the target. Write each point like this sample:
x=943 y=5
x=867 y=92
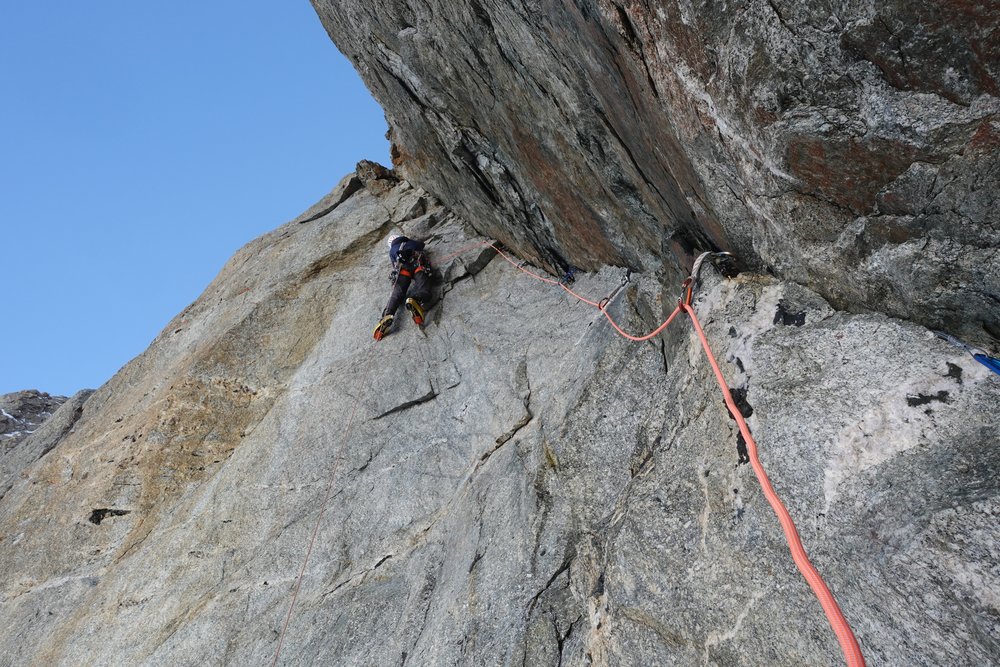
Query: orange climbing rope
x=848 y=643
x=315 y=531
x=842 y=629
x=598 y=305
x=845 y=636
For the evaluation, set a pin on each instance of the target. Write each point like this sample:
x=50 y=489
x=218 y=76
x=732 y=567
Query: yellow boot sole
x=382 y=328
x=416 y=311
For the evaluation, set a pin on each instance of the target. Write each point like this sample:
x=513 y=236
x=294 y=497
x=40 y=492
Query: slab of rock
x=513 y=484
x=31 y=424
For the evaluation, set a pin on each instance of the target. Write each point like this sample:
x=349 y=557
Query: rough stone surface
x=848 y=146
x=22 y=412
x=347 y=187
x=31 y=424
x=512 y=485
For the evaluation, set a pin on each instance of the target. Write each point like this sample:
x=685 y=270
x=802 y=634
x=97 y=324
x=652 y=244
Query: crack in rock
x=563 y=567
x=357 y=575
x=100 y=514
x=429 y=396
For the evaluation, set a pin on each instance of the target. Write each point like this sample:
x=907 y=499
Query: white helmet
x=392 y=238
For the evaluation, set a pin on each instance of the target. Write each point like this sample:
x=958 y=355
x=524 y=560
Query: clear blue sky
x=141 y=144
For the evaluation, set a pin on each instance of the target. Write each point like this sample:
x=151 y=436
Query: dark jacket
x=404 y=249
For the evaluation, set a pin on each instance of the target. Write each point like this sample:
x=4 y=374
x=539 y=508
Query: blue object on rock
x=990 y=362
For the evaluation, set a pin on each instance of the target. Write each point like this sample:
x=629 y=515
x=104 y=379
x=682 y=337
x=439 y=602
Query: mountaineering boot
x=416 y=311
x=382 y=328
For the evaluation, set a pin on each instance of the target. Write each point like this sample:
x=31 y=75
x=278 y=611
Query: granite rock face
x=31 y=424
x=22 y=412
x=514 y=484
x=851 y=147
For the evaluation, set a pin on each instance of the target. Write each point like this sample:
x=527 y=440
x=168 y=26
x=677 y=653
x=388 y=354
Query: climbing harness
x=991 y=363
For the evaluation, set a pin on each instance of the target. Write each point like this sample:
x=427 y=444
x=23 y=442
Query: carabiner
x=687 y=291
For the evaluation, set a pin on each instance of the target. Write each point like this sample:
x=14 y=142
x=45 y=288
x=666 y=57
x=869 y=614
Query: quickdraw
x=991 y=363
x=691 y=282
x=626 y=277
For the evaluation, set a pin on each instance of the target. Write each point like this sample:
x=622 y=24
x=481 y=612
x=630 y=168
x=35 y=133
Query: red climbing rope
x=598 y=305
x=319 y=519
x=842 y=629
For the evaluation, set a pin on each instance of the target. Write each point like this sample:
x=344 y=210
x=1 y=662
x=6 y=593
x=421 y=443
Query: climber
x=409 y=266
